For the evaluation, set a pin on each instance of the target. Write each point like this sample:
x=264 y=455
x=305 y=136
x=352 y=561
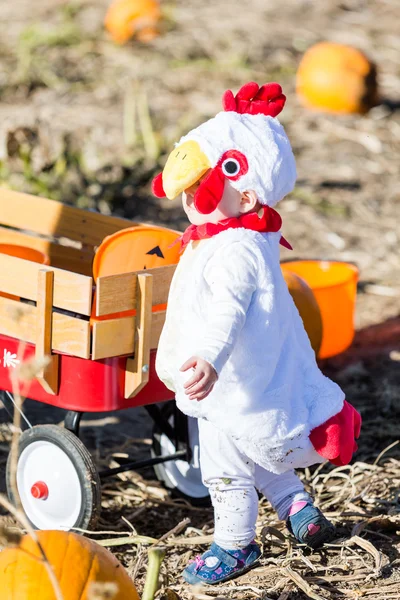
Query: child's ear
x=248 y=201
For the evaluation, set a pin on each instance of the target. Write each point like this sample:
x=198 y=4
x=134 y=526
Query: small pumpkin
x=77 y=562
x=337 y=78
x=126 y=18
x=307 y=306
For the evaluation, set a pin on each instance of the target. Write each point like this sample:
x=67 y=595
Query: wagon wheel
x=57 y=481
x=179 y=476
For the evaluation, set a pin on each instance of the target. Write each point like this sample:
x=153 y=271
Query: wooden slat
x=69 y=335
x=62 y=257
x=157 y=323
x=72 y=291
x=117 y=293
x=138 y=367
x=114 y=337
x=162 y=278
x=49 y=217
x=48 y=375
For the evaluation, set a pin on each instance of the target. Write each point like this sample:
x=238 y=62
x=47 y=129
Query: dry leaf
x=102 y=591
x=9 y=537
x=302 y=584
x=28 y=369
x=370 y=548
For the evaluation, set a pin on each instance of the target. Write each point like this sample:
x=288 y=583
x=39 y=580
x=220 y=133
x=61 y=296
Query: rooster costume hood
x=229 y=303
x=244 y=144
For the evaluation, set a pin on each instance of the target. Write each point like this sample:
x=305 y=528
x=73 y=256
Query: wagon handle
x=137 y=368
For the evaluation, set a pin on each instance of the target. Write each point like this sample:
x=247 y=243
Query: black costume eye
x=230 y=167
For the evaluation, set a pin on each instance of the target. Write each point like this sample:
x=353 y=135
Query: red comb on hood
x=254 y=100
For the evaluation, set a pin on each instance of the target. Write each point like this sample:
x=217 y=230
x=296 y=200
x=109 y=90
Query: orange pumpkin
x=337 y=78
x=77 y=562
x=307 y=306
x=126 y=18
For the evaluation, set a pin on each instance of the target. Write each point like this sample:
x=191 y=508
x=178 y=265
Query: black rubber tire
x=80 y=457
x=161 y=470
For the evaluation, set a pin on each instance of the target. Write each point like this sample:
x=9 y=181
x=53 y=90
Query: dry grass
x=362 y=501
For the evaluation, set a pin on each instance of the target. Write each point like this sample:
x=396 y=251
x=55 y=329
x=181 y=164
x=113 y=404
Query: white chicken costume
x=229 y=303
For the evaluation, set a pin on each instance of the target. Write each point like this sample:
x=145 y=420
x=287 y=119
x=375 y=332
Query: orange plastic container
x=27 y=254
x=335 y=288
x=134 y=249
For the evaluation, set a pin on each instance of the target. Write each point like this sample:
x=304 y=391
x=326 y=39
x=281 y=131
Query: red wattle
x=157 y=186
x=209 y=192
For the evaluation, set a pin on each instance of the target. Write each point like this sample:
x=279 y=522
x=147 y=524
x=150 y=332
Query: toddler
x=233 y=348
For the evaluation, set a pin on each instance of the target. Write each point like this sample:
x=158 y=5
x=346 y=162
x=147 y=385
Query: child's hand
x=203 y=380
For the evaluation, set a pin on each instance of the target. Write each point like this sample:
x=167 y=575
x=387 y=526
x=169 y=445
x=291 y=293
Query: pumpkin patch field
x=93 y=95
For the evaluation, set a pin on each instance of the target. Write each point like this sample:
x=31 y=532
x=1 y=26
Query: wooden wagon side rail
x=69 y=335
x=66 y=234
x=72 y=291
x=138 y=367
x=52 y=218
x=137 y=334
x=118 y=293
x=50 y=289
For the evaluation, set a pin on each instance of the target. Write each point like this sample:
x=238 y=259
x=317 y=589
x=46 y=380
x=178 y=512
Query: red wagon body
x=85 y=385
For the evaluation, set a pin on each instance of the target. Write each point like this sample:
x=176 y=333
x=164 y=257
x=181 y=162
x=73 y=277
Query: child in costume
x=233 y=348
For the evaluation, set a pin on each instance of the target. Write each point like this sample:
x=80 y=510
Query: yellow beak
x=185 y=165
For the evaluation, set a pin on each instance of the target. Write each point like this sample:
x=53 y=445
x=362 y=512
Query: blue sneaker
x=309 y=526
x=217 y=565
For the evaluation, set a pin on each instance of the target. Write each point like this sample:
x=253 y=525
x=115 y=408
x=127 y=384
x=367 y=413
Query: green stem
x=156 y=556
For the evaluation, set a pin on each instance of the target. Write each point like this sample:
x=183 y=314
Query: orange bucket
x=135 y=249
x=27 y=254
x=334 y=285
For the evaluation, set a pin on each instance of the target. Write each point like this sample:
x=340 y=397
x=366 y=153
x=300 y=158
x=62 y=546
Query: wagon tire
x=57 y=481
x=183 y=480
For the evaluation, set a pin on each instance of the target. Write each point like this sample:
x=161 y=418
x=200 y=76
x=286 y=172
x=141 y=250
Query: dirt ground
x=89 y=123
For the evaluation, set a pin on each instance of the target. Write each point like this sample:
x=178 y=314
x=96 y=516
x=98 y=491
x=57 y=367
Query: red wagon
x=101 y=336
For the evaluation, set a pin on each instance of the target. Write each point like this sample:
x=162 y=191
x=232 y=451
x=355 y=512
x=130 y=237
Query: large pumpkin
x=77 y=562
x=307 y=306
x=337 y=78
x=126 y=18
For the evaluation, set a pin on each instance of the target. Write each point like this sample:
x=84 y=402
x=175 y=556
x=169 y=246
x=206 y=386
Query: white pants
x=232 y=479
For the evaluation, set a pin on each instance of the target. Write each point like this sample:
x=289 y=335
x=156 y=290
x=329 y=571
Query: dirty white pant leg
x=281 y=490
x=229 y=476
